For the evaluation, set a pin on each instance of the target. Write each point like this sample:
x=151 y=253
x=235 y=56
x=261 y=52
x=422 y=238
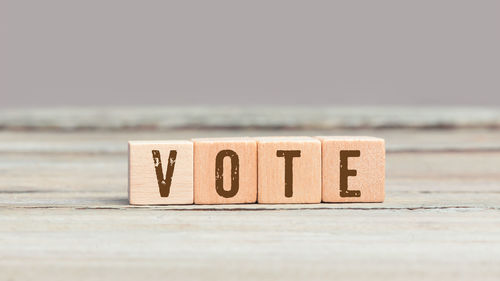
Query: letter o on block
x=225 y=170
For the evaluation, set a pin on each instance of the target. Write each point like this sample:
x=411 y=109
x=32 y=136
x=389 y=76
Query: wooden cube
x=160 y=172
x=225 y=170
x=353 y=169
x=289 y=170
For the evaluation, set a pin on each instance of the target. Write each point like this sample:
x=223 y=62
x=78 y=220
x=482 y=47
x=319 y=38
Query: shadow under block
x=225 y=170
x=160 y=172
x=289 y=170
x=353 y=169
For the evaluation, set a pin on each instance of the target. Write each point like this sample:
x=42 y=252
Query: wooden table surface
x=64 y=213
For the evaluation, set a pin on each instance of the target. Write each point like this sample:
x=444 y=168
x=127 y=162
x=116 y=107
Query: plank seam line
x=159 y=208
x=388 y=151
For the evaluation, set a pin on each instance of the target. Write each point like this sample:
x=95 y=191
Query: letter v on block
x=164 y=182
x=156 y=179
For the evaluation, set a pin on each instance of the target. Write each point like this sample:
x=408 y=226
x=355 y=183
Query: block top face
x=286 y=139
x=224 y=140
x=349 y=138
x=158 y=142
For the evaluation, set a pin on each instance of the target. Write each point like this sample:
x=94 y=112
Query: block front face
x=353 y=169
x=289 y=170
x=225 y=171
x=160 y=172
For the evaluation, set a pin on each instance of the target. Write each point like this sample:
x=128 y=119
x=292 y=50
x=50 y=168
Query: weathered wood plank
x=64 y=215
x=156 y=118
x=92 y=142
x=451 y=244
x=414 y=180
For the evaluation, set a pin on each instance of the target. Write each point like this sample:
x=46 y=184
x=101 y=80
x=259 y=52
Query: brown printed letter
x=345 y=172
x=288 y=155
x=164 y=183
x=219 y=171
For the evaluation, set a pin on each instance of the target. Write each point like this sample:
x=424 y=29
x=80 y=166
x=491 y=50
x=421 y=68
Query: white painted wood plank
x=47 y=244
x=64 y=215
x=96 y=142
x=414 y=180
x=118 y=118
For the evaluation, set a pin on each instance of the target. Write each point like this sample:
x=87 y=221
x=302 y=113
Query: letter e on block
x=353 y=169
x=160 y=172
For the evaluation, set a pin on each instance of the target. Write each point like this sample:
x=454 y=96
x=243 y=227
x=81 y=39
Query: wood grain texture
x=440 y=219
x=355 y=177
x=289 y=178
x=143 y=187
x=237 y=180
x=244 y=117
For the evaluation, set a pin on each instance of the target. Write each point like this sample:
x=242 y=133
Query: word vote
x=272 y=170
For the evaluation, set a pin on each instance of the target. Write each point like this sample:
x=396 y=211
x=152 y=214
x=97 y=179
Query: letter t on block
x=289 y=170
x=353 y=169
x=160 y=172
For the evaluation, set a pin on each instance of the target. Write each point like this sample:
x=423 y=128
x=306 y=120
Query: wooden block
x=353 y=169
x=160 y=172
x=225 y=170
x=289 y=170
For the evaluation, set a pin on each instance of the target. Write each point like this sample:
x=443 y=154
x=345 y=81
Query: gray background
x=115 y=52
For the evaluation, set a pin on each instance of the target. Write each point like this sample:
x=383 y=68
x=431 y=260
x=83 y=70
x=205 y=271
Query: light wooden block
x=289 y=170
x=160 y=172
x=353 y=169
x=225 y=170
